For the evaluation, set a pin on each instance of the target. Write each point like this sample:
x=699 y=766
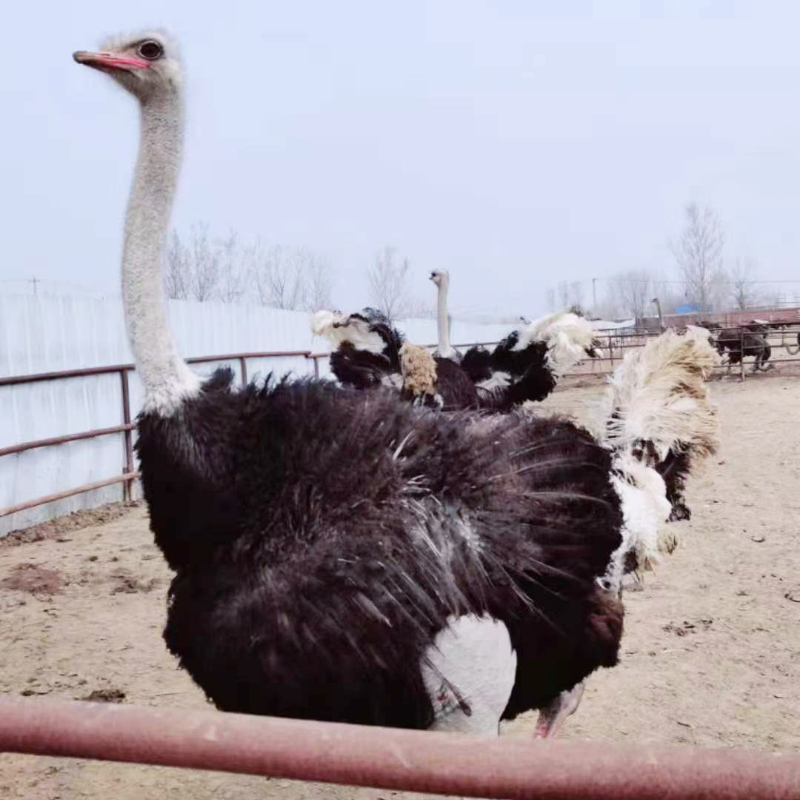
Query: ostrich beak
x=109 y=61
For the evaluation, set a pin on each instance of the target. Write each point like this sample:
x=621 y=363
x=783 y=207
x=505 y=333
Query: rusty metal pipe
x=70 y=437
x=391 y=759
x=51 y=498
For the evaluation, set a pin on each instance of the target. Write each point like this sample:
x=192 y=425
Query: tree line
x=705 y=282
x=225 y=269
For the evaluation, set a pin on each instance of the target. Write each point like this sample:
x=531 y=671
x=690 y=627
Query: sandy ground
x=711 y=654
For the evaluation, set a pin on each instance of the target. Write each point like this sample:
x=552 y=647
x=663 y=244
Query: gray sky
x=513 y=148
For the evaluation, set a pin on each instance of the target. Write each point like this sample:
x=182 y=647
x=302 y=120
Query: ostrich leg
x=552 y=716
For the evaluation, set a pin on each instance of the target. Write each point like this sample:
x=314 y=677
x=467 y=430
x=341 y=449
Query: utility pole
x=594 y=295
x=35 y=282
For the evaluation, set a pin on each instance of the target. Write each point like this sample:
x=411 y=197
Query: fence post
x=243 y=365
x=316 y=367
x=741 y=350
x=127 y=486
x=611 y=351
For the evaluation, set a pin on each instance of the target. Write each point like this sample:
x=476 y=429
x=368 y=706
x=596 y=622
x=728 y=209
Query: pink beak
x=109 y=61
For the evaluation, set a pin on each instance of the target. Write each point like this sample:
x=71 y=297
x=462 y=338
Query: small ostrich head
x=146 y=64
x=440 y=276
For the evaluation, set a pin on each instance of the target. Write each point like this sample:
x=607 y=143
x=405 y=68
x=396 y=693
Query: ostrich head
x=440 y=276
x=146 y=64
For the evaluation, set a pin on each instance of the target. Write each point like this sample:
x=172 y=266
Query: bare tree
x=562 y=292
x=569 y=294
x=630 y=292
x=576 y=296
x=176 y=275
x=205 y=256
x=743 y=285
x=232 y=274
x=318 y=283
x=224 y=270
x=388 y=285
x=699 y=255
x=278 y=277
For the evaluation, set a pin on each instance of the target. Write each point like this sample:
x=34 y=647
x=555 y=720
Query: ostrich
x=349 y=557
x=368 y=353
x=737 y=345
x=670 y=430
x=367 y=350
x=530 y=360
x=525 y=366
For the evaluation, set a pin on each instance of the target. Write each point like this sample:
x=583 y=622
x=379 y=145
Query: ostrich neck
x=166 y=378
x=445 y=351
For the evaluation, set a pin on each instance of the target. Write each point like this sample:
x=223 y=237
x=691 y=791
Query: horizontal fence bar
x=51 y=498
x=254 y=354
x=14 y=380
x=390 y=759
x=71 y=437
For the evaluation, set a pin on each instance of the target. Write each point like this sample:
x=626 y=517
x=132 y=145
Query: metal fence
x=419 y=761
x=615 y=346
x=125 y=428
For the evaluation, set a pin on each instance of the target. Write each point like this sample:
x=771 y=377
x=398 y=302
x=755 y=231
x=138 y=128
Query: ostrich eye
x=151 y=50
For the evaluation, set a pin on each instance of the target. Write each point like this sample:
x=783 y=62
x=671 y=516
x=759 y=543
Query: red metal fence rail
x=419 y=761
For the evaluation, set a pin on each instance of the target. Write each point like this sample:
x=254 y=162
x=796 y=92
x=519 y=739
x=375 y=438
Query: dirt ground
x=711 y=654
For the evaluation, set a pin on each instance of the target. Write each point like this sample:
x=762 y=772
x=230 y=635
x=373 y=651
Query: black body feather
x=321 y=537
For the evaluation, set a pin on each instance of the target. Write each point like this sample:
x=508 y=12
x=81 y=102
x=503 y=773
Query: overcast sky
x=490 y=138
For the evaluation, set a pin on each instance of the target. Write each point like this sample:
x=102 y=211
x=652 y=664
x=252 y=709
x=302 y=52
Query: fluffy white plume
x=645 y=509
x=568 y=338
x=659 y=394
x=340 y=328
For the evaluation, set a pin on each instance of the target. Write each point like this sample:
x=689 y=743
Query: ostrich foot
x=552 y=716
x=632 y=583
x=679 y=511
x=668 y=540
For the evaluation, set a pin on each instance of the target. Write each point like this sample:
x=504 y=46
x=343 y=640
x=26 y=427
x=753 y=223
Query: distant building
x=728 y=319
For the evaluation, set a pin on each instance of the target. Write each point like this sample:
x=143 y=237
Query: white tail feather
x=658 y=395
x=339 y=329
x=567 y=336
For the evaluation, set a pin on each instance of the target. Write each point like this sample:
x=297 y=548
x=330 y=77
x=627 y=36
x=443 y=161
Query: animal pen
x=351 y=755
x=615 y=346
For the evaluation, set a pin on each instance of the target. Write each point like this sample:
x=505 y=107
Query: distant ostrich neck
x=167 y=379
x=445 y=350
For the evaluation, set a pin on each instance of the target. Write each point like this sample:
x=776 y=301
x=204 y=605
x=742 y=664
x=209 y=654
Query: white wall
x=48 y=334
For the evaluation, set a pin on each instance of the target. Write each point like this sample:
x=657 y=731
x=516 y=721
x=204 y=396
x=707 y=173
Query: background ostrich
x=367 y=353
x=735 y=345
x=341 y=556
x=525 y=366
x=532 y=359
x=441 y=277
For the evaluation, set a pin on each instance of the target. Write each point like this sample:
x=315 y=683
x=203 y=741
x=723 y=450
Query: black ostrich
x=736 y=344
x=343 y=555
